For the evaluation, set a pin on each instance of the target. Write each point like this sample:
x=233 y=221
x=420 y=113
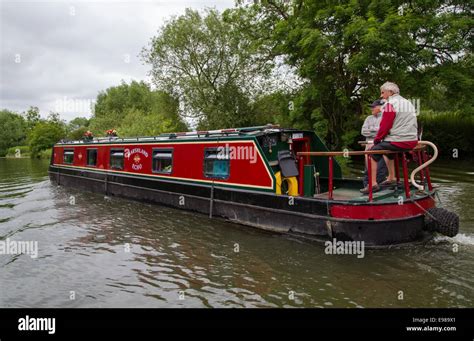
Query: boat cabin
x=246 y=158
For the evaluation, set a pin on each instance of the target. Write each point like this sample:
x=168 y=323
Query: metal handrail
x=419 y=148
x=330 y=156
x=347 y=153
x=356 y=152
x=424 y=165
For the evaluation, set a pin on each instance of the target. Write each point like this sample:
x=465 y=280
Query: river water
x=96 y=251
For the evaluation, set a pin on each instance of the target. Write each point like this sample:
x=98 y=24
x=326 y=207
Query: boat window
x=92 y=157
x=68 y=156
x=116 y=159
x=163 y=161
x=216 y=163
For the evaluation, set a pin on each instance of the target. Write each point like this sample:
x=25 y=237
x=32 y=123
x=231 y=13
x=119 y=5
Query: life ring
x=292 y=183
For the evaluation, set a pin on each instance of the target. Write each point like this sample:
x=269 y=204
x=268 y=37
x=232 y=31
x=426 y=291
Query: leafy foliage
x=135 y=110
x=13 y=127
x=44 y=135
x=212 y=66
x=217 y=70
x=450 y=131
x=33 y=117
x=21 y=151
x=77 y=127
x=347 y=49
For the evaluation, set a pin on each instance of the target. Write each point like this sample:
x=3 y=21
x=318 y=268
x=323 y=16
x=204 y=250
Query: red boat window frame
x=162 y=149
x=96 y=156
x=67 y=150
x=115 y=150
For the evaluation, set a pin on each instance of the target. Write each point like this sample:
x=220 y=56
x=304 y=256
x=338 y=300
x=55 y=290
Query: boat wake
x=461 y=238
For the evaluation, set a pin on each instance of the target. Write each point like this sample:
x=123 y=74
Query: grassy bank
x=18 y=151
x=24 y=151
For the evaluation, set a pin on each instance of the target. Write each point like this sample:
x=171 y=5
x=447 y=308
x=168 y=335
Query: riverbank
x=24 y=152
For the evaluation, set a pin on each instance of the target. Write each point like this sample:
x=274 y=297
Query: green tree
x=211 y=65
x=77 y=127
x=54 y=117
x=452 y=83
x=13 y=128
x=137 y=123
x=116 y=106
x=77 y=123
x=44 y=135
x=77 y=134
x=32 y=117
x=275 y=108
x=100 y=124
x=119 y=99
x=346 y=49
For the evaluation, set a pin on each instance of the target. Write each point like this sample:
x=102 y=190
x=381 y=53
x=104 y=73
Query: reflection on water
x=111 y=252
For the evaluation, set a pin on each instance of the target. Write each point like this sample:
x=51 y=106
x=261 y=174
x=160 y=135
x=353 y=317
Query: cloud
x=58 y=55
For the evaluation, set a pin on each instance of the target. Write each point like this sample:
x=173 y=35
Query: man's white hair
x=389 y=86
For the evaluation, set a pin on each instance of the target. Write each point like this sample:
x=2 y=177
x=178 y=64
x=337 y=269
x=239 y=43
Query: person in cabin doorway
x=398 y=132
x=369 y=130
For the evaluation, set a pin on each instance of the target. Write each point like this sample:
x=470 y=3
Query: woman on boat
x=398 y=132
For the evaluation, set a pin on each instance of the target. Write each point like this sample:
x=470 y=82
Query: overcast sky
x=57 y=55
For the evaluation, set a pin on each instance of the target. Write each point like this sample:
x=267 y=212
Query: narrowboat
x=272 y=178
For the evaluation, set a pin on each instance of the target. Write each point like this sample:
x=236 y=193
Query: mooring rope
x=426 y=212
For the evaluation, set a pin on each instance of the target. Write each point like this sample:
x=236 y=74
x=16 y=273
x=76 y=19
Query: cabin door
x=301 y=145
